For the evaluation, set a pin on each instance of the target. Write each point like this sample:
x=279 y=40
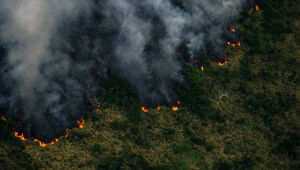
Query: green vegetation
x=243 y=115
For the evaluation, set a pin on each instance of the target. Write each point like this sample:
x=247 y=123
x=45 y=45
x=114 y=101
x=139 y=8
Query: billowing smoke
x=53 y=52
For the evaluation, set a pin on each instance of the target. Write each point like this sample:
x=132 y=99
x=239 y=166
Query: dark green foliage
x=168 y=133
x=15 y=158
x=192 y=93
x=202 y=141
x=181 y=148
x=116 y=93
x=98 y=150
x=119 y=125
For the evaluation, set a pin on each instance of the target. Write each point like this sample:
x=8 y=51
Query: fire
x=175 y=108
x=3 y=118
x=158 y=108
x=234 y=44
x=178 y=102
x=80 y=123
x=256 y=7
x=144 y=109
x=98 y=108
x=202 y=68
x=233 y=30
x=22 y=137
x=42 y=144
x=67 y=133
x=221 y=63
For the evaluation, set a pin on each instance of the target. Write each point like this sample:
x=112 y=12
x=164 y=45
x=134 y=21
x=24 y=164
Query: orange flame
x=22 y=137
x=42 y=144
x=3 y=118
x=202 y=68
x=232 y=30
x=67 y=133
x=256 y=7
x=158 y=108
x=178 y=102
x=239 y=43
x=98 y=108
x=144 y=109
x=228 y=43
x=222 y=63
x=233 y=44
x=80 y=123
x=174 y=108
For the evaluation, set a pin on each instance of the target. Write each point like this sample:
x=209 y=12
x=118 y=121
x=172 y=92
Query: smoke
x=41 y=87
x=55 y=50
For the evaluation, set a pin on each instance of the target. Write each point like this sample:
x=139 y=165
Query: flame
x=233 y=44
x=42 y=144
x=67 y=133
x=256 y=7
x=144 y=109
x=22 y=137
x=232 y=30
x=222 y=63
x=178 y=102
x=158 y=108
x=3 y=118
x=80 y=123
x=228 y=43
x=98 y=107
x=202 y=68
x=239 y=43
x=174 y=108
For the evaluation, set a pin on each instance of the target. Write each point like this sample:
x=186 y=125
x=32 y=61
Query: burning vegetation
x=80 y=123
x=43 y=144
x=222 y=61
x=144 y=109
x=233 y=37
x=127 y=51
x=3 y=118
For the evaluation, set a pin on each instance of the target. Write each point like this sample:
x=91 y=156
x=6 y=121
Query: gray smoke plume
x=42 y=88
x=53 y=50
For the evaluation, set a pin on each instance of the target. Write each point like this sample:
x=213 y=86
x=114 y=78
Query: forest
x=240 y=115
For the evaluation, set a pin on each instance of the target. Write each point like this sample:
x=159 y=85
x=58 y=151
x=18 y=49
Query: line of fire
x=22 y=131
x=233 y=39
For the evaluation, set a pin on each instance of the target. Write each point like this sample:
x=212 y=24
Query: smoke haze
x=54 y=50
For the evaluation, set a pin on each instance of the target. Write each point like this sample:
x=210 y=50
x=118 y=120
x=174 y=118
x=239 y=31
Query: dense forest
x=242 y=115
